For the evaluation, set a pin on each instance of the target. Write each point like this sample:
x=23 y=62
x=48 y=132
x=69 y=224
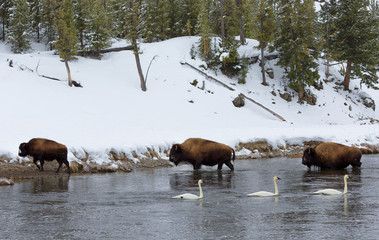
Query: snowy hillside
x=111 y=113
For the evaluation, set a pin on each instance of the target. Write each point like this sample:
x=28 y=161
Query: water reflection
x=138 y=205
x=182 y=180
x=50 y=184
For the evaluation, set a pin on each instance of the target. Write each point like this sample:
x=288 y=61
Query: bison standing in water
x=44 y=150
x=199 y=152
x=332 y=155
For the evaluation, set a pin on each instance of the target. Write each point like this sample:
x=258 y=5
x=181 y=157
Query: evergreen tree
x=66 y=41
x=204 y=29
x=5 y=6
x=82 y=9
x=132 y=28
x=156 y=20
x=354 y=40
x=174 y=18
x=116 y=11
x=239 y=13
x=99 y=33
x=296 y=43
x=327 y=14
x=20 y=26
x=249 y=14
x=48 y=25
x=266 y=23
x=36 y=17
x=188 y=16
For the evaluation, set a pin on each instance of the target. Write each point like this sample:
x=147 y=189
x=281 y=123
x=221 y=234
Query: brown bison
x=44 y=150
x=199 y=152
x=332 y=155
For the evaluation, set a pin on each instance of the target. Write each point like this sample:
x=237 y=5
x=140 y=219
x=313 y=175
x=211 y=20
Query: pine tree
x=5 y=6
x=82 y=9
x=116 y=11
x=155 y=20
x=249 y=14
x=66 y=41
x=132 y=28
x=20 y=26
x=266 y=20
x=354 y=40
x=36 y=17
x=99 y=33
x=174 y=18
x=188 y=16
x=296 y=43
x=327 y=14
x=204 y=29
x=48 y=25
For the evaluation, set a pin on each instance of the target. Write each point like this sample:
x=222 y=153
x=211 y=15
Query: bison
x=199 y=152
x=332 y=155
x=44 y=150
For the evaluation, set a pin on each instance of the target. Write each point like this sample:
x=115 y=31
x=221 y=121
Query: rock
x=286 y=96
x=367 y=101
x=239 y=101
x=270 y=73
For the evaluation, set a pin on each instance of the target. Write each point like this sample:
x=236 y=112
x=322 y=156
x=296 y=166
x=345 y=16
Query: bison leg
x=197 y=166
x=219 y=166
x=35 y=162
x=59 y=167
x=67 y=165
x=41 y=163
x=230 y=165
x=356 y=164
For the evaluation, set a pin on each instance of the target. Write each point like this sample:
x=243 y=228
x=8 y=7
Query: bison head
x=175 y=154
x=308 y=157
x=23 y=150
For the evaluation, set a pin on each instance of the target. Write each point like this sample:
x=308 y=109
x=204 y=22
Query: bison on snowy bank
x=332 y=155
x=44 y=150
x=199 y=152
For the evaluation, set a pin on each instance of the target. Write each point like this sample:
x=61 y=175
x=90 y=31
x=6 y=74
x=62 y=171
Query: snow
x=111 y=113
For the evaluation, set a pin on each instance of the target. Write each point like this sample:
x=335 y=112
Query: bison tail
x=234 y=155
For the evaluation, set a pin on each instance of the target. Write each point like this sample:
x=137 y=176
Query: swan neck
x=201 y=191
x=345 y=188
x=276 y=188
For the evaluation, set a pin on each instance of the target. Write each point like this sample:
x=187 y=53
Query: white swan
x=330 y=191
x=264 y=193
x=190 y=196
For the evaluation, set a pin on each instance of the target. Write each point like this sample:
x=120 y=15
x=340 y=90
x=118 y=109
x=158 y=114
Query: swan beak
x=278 y=178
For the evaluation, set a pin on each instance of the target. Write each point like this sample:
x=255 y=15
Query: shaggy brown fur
x=45 y=150
x=199 y=152
x=332 y=155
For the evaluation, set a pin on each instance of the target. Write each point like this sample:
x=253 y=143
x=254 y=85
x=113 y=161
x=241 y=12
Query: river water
x=138 y=205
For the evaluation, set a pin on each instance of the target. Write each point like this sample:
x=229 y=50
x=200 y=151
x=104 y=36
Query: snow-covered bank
x=111 y=114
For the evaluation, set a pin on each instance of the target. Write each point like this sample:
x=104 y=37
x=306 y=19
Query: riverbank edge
x=151 y=158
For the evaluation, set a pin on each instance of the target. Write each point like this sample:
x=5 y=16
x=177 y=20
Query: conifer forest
x=299 y=32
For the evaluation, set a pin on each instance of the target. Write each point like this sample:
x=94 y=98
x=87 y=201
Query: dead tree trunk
x=138 y=63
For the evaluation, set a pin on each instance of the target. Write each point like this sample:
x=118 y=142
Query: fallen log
x=207 y=76
x=232 y=89
x=96 y=53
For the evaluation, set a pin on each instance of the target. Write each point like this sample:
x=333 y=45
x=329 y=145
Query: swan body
x=330 y=191
x=190 y=196
x=265 y=193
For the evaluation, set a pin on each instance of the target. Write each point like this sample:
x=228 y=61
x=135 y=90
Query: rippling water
x=138 y=205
